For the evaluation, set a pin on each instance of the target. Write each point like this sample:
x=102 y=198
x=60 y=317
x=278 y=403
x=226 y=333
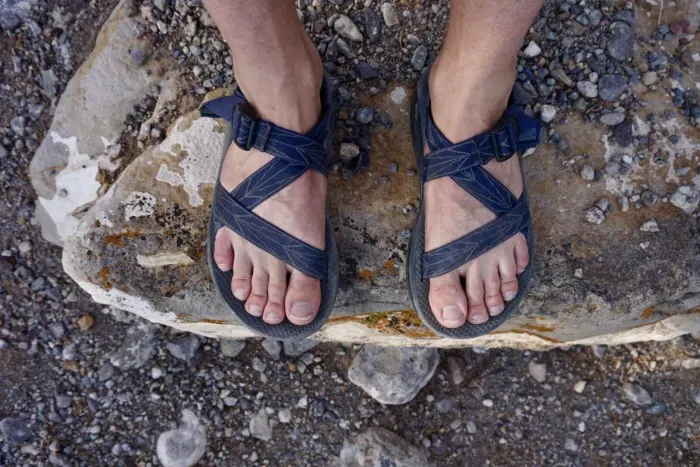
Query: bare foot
x=462 y=109
x=260 y=279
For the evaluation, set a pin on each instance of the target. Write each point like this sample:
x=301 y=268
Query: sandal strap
x=269 y=238
x=449 y=257
x=294 y=154
x=463 y=162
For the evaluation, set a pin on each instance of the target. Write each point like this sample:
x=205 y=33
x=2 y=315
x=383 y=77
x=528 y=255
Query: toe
x=276 y=290
x=258 y=292
x=522 y=255
x=475 y=296
x=447 y=300
x=509 y=280
x=492 y=292
x=303 y=298
x=223 y=251
x=242 y=271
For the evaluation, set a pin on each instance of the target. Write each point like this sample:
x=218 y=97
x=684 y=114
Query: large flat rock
x=81 y=145
x=141 y=247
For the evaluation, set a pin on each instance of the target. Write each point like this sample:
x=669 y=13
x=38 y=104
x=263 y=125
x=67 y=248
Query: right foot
x=270 y=288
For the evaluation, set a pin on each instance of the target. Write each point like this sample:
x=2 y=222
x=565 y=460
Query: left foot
x=464 y=107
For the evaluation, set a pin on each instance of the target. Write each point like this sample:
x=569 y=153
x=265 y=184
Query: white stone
x=378 y=446
x=260 y=426
x=532 y=50
x=392 y=375
x=285 y=415
x=547 y=113
x=346 y=27
x=164 y=259
x=650 y=226
x=398 y=94
x=391 y=17
x=587 y=89
x=183 y=446
x=538 y=370
x=580 y=386
x=636 y=393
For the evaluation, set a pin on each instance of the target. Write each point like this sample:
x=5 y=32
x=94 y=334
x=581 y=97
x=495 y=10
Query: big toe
x=303 y=298
x=447 y=300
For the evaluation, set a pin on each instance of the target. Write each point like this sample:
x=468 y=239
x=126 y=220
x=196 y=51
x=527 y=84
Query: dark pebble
x=373 y=25
x=365 y=115
x=623 y=134
x=620 y=42
x=138 y=56
x=365 y=71
x=611 y=86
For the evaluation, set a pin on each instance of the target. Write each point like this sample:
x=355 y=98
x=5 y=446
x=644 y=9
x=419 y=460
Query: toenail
x=479 y=318
x=239 y=294
x=223 y=266
x=509 y=295
x=301 y=310
x=273 y=316
x=452 y=314
x=521 y=270
x=494 y=310
x=255 y=310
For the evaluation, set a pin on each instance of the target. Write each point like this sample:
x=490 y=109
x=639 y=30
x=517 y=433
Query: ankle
x=467 y=100
x=288 y=94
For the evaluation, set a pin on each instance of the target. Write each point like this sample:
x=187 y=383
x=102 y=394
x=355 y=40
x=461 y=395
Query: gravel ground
x=82 y=385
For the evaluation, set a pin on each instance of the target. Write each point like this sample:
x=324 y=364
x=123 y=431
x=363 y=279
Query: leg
x=280 y=72
x=470 y=83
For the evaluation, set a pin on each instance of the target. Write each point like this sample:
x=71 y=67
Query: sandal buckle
x=510 y=125
x=247 y=110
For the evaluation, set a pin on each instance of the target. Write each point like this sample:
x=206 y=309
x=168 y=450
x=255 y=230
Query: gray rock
x=650 y=77
x=595 y=215
x=391 y=17
x=587 y=172
x=547 y=113
x=185 y=348
x=538 y=371
x=455 y=365
x=260 y=426
x=366 y=71
x=70 y=352
x=138 y=56
x=348 y=152
x=620 y=43
x=420 y=55
x=17 y=124
x=393 y=375
x=346 y=27
x=696 y=397
x=685 y=198
x=532 y=50
x=595 y=16
x=63 y=401
x=377 y=446
x=445 y=405
x=365 y=115
x=570 y=445
x=137 y=347
x=15 y=430
x=105 y=372
x=373 y=25
x=285 y=415
x=57 y=330
x=611 y=86
x=231 y=347
x=184 y=446
x=612 y=118
x=587 y=89
x=636 y=393
x=13 y=12
x=272 y=347
x=295 y=348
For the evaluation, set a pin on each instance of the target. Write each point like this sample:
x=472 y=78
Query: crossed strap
x=294 y=154
x=463 y=162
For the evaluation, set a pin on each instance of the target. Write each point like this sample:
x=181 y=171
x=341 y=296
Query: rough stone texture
x=379 y=447
x=89 y=119
x=624 y=293
x=392 y=375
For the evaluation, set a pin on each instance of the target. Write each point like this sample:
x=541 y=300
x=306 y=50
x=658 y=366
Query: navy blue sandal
x=294 y=154
x=463 y=161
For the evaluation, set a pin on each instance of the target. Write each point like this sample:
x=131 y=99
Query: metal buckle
x=246 y=109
